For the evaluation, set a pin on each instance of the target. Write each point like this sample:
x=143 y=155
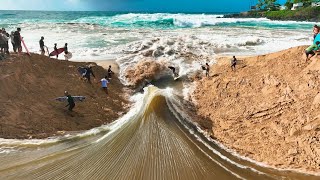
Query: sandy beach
x=29 y=86
x=267 y=110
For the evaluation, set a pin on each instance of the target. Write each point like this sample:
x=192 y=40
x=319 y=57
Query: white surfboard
x=75 y=98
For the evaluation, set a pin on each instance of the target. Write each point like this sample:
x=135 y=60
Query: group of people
x=314 y=48
x=55 y=49
x=87 y=76
x=15 y=39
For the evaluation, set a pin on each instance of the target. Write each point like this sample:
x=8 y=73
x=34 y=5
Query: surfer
x=71 y=103
x=110 y=72
x=65 y=48
x=104 y=84
x=233 y=63
x=316 y=30
x=41 y=43
x=88 y=73
x=311 y=50
x=173 y=71
x=56 y=49
x=17 y=40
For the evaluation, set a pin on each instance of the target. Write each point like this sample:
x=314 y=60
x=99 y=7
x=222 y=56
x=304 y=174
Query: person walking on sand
x=104 y=84
x=316 y=30
x=41 y=43
x=70 y=100
x=88 y=73
x=207 y=70
x=110 y=72
x=311 y=50
x=17 y=40
x=56 y=49
x=233 y=63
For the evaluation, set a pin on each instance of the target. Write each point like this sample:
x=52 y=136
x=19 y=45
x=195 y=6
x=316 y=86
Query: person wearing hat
x=41 y=43
x=70 y=100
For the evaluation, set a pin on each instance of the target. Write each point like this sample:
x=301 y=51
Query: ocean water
x=128 y=37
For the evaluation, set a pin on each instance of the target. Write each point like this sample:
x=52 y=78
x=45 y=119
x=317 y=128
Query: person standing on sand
x=17 y=40
x=104 y=84
x=110 y=72
x=41 y=43
x=233 y=63
x=316 y=30
x=12 y=42
x=71 y=103
x=56 y=49
x=311 y=50
x=207 y=70
x=65 y=48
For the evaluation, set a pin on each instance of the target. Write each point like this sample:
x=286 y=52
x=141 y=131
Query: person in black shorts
x=71 y=103
x=110 y=72
x=41 y=43
x=233 y=63
x=17 y=40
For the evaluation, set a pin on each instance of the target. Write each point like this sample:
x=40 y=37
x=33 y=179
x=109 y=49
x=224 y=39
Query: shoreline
x=251 y=116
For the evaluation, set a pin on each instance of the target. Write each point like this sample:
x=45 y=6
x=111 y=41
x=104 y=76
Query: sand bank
x=29 y=85
x=268 y=110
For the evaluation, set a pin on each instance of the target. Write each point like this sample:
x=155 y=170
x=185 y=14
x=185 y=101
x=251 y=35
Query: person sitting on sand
x=41 y=43
x=316 y=30
x=233 y=63
x=311 y=50
x=110 y=72
x=88 y=73
x=71 y=103
x=173 y=71
x=104 y=84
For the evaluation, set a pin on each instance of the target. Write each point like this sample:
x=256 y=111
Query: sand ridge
x=29 y=85
x=268 y=109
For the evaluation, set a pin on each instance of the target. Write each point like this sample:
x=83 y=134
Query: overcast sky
x=130 y=5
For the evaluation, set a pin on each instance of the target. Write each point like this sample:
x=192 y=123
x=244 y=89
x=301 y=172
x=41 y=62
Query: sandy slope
x=28 y=87
x=268 y=110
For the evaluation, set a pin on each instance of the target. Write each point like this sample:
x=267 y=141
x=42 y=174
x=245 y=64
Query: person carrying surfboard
x=41 y=43
x=17 y=40
x=88 y=73
x=70 y=100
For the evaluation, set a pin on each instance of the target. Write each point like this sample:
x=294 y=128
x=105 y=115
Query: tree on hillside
x=268 y=5
x=288 y=4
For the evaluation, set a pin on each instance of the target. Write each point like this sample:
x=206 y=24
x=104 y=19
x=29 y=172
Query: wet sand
x=267 y=110
x=29 y=86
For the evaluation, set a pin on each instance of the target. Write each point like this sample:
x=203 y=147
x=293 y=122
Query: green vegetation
x=271 y=10
x=303 y=14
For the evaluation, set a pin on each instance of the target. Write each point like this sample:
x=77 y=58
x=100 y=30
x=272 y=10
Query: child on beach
x=104 y=84
x=311 y=50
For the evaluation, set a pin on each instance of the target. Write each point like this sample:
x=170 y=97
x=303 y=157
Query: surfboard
x=25 y=47
x=68 y=56
x=175 y=78
x=47 y=50
x=75 y=98
x=59 y=51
